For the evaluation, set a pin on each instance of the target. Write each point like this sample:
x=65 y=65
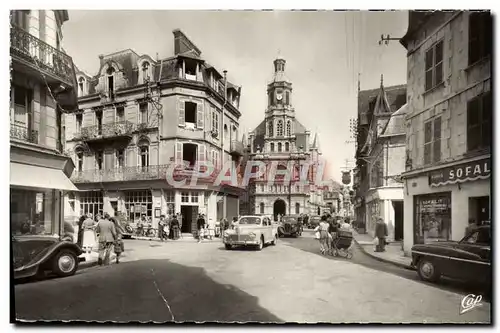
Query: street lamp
x=294 y=157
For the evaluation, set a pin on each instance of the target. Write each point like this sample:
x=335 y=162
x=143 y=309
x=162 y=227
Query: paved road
x=204 y=282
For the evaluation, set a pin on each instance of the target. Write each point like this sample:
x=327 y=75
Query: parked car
x=290 y=225
x=468 y=259
x=251 y=230
x=36 y=254
x=313 y=221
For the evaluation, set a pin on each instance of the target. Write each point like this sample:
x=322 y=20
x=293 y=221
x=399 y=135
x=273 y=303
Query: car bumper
x=247 y=242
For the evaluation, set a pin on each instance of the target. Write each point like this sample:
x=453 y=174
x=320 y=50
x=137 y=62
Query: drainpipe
x=222 y=140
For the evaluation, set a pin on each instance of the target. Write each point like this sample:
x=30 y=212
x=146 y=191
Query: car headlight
x=251 y=234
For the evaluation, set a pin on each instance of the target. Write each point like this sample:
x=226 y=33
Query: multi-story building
x=378 y=191
x=142 y=121
x=384 y=152
x=332 y=197
x=449 y=124
x=281 y=139
x=42 y=87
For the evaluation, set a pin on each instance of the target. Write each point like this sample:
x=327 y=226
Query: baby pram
x=341 y=244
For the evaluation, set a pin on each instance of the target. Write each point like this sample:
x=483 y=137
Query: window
x=111 y=82
x=138 y=203
x=279 y=128
x=287 y=98
x=479 y=123
x=143 y=113
x=433 y=218
x=98 y=120
x=272 y=147
x=21 y=106
x=145 y=71
x=120 y=114
x=194 y=197
x=287 y=146
x=226 y=132
x=99 y=160
x=480 y=36
x=190 y=66
x=288 y=128
x=170 y=200
x=270 y=128
x=297 y=208
x=81 y=86
x=185 y=197
x=262 y=188
x=144 y=156
x=279 y=147
x=434 y=66
x=190 y=109
x=261 y=208
x=79 y=121
x=91 y=202
x=189 y=153
x=120 y=158
x=79 y=160
x=215 y=121
x=432 y=141
x=20 y=18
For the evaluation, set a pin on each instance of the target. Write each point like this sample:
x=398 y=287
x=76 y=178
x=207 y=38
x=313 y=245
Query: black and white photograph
x=216 y=166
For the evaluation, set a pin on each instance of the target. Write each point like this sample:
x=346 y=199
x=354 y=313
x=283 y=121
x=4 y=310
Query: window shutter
x=199 y=115
x=178 y=153
x=201 y=153
x=182 y=113
x=437 y=140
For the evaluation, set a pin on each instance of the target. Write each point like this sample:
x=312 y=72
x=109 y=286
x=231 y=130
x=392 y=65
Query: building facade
x=280 y=138
x=43 y=85
x=143 y=121
x=380 y=158
x=449 y=124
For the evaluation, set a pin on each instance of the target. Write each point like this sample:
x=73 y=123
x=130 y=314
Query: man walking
x=201 y=227
x=162 y=224
x=107 y=236
x=381 y=233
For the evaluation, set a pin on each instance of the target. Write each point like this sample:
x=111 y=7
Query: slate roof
x=396 y=125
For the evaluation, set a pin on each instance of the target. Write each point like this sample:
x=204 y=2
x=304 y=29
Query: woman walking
x=89 y=235
x=324 y=237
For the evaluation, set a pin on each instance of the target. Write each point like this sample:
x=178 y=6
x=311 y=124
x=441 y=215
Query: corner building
x=137 y=118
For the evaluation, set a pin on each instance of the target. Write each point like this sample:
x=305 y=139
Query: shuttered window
x=479 y=124
x=434 y=66
x=480 y=36
x=432 y=141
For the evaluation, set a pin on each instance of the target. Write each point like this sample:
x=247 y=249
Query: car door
x=471 y=259
x=267 y=230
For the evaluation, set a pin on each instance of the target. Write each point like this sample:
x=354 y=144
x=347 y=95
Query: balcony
x=40 y=57
x=113 y=131
x=23 y=133
x=236 y=148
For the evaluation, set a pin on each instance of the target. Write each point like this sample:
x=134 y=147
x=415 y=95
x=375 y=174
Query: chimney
x=182 y=44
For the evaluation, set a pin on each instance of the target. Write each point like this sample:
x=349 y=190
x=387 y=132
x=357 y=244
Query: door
x=398 y=220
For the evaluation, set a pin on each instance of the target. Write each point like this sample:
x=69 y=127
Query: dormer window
x=190 y=67
x=145 y=71
x=111 y=82
x=81 y=86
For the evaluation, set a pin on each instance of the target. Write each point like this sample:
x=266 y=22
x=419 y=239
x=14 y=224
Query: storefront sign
x=461 y=173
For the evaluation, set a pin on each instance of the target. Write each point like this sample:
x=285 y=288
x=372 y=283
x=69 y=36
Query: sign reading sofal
x=461 y=173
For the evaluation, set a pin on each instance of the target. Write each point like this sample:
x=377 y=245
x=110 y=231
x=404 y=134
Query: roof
x=365 y=97
x=396 y=125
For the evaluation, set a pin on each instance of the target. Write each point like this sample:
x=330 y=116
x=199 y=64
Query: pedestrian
x=161 y=228
x=324 y=236
x=344 y=225
x=306 y=220
x=175 y=228
x=89 y=234
x=201 y=227
x=107 y=237
x=79 y=238
x=119 y=246
x=381 y=233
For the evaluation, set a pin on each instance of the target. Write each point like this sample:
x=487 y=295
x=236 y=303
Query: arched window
x=81 y=86
x=145 y=71
x=279 y=128
x=143 y=153
x=288 y=128
x=271 y=127
x=79 y=159
x=111 y=81
x=272 y=147
x=262 y=208
x=279 y=147
x=297 y=208
x=287 y=146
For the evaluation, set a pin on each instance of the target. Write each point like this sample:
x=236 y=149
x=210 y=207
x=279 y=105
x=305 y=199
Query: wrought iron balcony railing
x=236 y=147
x=23 y=133
x=112 y=130
x=41 y=55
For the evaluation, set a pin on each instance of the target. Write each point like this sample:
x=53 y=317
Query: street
x=290 y=282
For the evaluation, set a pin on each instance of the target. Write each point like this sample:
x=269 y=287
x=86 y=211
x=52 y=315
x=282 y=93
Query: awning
x=39 y=177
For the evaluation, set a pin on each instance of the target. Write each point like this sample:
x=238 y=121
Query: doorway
x=114 y=207
x=189 y=216
x=398 y=219
x=479 y=210
x=279 y=208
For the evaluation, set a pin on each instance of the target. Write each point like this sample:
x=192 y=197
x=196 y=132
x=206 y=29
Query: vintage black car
x=290 y=225
x=467 y=260
x=313 y=221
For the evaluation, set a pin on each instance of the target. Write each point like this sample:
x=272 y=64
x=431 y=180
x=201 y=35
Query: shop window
x=34 y=212
x=480 y=36
x=434 y=66
x=479 y=122
x=138 y=203
x=91 y=202
x=185 y=197
x=432 y=218
x=432 y=141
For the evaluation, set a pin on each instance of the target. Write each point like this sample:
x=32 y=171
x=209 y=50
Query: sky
x=324 y=50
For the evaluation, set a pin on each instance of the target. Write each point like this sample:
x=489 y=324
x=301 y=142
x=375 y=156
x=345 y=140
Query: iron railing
x=112 y=130
x=23 y=133
x=41 y=55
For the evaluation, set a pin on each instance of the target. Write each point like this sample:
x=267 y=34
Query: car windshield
x=249 y=220
x=289 y=219
x=481 y=236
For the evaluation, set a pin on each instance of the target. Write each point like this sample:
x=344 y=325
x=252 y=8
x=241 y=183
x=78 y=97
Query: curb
x=395 y=263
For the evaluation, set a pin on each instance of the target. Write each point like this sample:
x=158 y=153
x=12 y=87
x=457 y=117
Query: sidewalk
x=393 y=253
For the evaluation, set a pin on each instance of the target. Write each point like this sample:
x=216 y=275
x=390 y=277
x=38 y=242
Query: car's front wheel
x=65 y=263
x=427 y=270
x=228 y=246
x=261 y=244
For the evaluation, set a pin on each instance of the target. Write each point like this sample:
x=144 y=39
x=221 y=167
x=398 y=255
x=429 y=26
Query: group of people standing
x=327 y=230
x=169 y=228
x=104 y=233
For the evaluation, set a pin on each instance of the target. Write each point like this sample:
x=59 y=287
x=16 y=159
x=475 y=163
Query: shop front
x=440 y=204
